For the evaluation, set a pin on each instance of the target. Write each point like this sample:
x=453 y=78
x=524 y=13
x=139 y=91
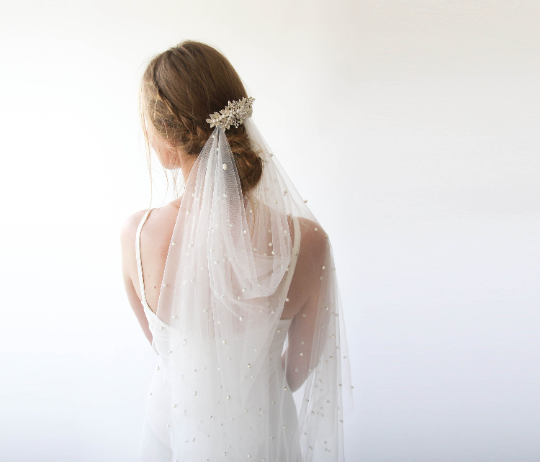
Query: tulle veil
x=215 y=394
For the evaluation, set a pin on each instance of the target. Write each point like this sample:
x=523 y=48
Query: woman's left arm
x=129 y=269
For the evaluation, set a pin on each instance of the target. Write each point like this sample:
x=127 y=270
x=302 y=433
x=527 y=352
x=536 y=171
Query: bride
x=233 y=283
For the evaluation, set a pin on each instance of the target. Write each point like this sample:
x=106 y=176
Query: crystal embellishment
x=235 y=114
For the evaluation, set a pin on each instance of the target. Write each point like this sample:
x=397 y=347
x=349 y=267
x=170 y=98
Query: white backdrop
x=423 y=114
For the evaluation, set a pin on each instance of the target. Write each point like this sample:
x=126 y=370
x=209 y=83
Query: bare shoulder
x=129 y=229
x=314 y=239
x=160 y=221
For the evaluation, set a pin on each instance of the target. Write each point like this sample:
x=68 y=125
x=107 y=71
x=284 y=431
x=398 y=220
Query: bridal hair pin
x=234 y=114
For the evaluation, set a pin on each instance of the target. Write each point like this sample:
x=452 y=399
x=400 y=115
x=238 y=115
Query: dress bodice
x=206 y=423
x=161 y=335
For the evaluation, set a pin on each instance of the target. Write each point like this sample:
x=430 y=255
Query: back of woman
x=233 y=283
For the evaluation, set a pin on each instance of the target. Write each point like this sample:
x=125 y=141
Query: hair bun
x=248 y=162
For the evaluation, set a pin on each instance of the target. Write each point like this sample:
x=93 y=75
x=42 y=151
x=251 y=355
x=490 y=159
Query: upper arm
x=311 y=260
x=127 y=244
x=129 y=269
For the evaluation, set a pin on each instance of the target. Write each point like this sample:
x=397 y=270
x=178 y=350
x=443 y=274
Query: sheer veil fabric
x=220 y=390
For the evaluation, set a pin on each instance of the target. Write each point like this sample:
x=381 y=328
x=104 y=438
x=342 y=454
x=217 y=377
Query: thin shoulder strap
x=295 y=250
x=138 y=256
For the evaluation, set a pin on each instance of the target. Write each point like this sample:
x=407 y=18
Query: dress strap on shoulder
x=138 y=256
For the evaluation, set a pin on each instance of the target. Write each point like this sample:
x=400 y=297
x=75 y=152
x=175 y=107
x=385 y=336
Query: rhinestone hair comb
x=234 y=114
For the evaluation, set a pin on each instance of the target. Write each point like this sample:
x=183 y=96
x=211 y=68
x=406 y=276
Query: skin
x=155 y=239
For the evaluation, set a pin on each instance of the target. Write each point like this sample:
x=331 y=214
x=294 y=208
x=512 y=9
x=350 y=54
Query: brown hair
x=181 y=87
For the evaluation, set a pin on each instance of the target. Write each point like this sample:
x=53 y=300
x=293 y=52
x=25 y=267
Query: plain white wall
x=419 y=119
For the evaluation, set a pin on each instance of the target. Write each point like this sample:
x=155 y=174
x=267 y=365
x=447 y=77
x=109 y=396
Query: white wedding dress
x=204 y=435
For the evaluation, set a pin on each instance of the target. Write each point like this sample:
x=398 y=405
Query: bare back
x=154 y=246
